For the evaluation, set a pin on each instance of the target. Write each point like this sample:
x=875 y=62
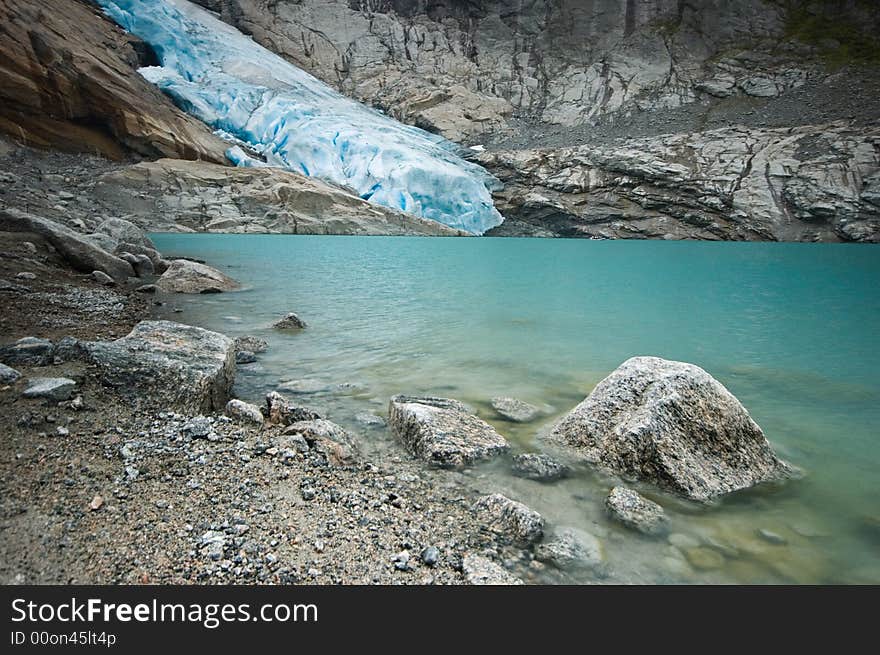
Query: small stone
x=26 y=275
x=57 y=389
x=97 y=503
x=510 y=518
x=147 y=288
x=369 y=420
x=430 y=556
x=401 y=561
x=245 y=357
x=290 y=322
x=8 y=375
x=307 y=493
x=244 y=412
x=62 y=431
x=570 y=549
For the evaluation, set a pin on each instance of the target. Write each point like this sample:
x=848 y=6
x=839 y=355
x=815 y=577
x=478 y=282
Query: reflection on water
x=791 y=329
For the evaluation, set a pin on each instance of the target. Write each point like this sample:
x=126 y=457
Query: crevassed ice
x=243 y=90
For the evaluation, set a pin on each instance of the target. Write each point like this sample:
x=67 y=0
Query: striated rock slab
x=75 y=248
x=510 y=519
x=171 y=193
x=443 y=432
x=807 y=183
x=166 y=364
x=184 y=276
x=70 y=81
x=672 y=424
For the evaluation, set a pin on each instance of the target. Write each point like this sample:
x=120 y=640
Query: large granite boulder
x=185 y=276
x=672 y=424
x=443 y=432
x=168 y=365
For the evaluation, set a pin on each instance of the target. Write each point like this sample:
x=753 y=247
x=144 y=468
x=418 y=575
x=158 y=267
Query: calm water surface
x=790 y=329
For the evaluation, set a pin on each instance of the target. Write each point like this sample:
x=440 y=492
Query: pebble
x=771 y=537
x=430 y=556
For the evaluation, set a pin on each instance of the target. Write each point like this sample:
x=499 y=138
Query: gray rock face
x=184 y=276
x=8 y=375
x=672 y=424
x=244 y=412
x=463 y=68
x=290 y=322
x=634 y=511
x=571 y=548
x=514 y=410
x=177 y=195
x=168 y=364
x=540 y=467
x=443 y=432
x=56 y=389
x=479 y=570
x=510 y=519
x=75 y=248
x=808 y=183
x=27 y=351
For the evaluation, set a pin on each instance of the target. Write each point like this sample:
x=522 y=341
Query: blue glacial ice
x=252 y=96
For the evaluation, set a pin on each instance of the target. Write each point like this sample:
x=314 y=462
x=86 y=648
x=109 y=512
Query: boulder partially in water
x=168 y=364
x=514 y=409
x=510 y=519
x=185 y=276
x=633 y=510
x=571 y=548
x=290 y=322
x=672 y=424
x=539 y=467
x=443 y=432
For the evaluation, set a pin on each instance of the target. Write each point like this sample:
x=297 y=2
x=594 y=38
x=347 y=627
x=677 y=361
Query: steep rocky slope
x=69 y=81
x=465 y=67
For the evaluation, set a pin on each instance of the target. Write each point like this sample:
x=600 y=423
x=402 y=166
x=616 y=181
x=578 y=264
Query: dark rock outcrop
x=672 y=424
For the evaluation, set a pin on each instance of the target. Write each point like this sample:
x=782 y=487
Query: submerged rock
x=168 y=364
x=571 y=548
x=56 y=389
x=672 y=424
x=184 y=276
x=251 y=344
x=635 y=511
x=479 y=570
x=510 y=519
x=443 y=432
x=540 y=467
x=514 y=410
x=8 y=375
x=290 y=322
x=244 y=412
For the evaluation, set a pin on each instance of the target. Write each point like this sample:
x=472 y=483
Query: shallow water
x=791 y=329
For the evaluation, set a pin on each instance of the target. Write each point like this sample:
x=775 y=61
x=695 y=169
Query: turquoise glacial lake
x=793 y=330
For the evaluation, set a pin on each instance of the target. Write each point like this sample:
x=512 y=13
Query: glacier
x=255 y=98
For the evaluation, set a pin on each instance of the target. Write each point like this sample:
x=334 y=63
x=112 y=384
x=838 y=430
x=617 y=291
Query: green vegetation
x=843 y=36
